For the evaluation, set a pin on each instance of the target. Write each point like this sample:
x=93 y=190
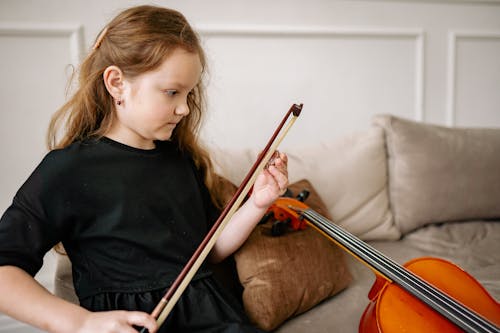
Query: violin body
x=425 y=295
x=392 y=309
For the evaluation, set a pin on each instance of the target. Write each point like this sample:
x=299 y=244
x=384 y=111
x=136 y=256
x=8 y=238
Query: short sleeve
x=25 y=233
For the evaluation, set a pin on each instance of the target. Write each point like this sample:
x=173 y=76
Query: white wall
x=432 y=61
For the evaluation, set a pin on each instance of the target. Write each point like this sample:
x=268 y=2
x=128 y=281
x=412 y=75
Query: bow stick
x=186 y=275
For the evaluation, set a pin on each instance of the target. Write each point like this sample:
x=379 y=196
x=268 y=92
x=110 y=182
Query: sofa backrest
x=349 y=174
x=394 y=177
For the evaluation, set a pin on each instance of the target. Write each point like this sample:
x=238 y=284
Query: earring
x=119 y=102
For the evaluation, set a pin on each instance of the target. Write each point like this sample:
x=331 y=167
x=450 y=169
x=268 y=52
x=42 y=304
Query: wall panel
x=338 y=73
x=474 y=79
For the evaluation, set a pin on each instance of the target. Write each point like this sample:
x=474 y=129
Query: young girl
x=128 y=191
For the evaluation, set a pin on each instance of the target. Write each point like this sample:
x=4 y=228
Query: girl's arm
x=269 y=185
x=24 y=299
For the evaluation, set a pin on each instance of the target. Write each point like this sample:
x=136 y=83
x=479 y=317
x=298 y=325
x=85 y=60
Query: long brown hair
x=137 y=40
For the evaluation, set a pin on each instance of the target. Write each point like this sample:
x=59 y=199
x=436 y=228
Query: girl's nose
x=182 y=109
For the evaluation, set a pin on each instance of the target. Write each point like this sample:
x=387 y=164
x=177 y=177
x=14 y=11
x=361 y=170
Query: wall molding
x=454 y=37
x=286 y=31
x=74 y=32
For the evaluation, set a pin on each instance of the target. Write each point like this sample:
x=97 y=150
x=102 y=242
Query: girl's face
x=153 y=103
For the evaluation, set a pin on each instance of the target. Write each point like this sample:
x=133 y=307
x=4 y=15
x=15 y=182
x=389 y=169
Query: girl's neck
x=129 y=139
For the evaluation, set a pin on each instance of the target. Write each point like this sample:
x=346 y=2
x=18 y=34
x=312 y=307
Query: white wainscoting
x=341 y=74
x=473 y=97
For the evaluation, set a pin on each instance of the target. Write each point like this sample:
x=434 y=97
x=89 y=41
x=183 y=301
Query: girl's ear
x=113 y=80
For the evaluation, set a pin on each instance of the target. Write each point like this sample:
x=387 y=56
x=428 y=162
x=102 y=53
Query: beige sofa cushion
x=351 y=177
x=439 y=174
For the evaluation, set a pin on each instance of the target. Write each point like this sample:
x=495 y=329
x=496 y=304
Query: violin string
x=422 y=287
x=384 y=265
x=405 y=278
x=449 y=305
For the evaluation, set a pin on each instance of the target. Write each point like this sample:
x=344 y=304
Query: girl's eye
x=171 y=92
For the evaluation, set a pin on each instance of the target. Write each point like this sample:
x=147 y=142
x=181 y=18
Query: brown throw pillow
x=286 y=275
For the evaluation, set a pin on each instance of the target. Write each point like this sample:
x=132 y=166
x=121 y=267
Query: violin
x=424 y=295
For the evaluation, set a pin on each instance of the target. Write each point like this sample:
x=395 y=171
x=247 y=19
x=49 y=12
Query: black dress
x=129 y=220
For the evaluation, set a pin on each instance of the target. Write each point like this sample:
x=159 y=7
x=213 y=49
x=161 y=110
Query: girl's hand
x=272 y=182
x=117 y=322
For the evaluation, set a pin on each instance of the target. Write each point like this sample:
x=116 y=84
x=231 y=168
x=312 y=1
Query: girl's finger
x=282 y=163
x=142 y=319
x=284 y=158
x=279 y=179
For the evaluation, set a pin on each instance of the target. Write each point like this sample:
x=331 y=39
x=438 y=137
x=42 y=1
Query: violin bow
x=164 y=307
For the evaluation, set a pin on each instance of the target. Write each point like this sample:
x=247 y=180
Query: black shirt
x=128 y=218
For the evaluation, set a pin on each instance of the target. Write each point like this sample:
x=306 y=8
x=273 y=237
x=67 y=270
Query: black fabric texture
x=128 y=218
x=203 y=307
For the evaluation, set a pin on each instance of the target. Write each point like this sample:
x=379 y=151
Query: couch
x=406 y=188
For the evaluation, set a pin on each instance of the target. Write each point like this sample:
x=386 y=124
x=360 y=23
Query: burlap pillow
x=287 y=275
x=439 y=174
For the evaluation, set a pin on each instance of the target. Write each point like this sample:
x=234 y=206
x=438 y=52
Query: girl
x=128 y=191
